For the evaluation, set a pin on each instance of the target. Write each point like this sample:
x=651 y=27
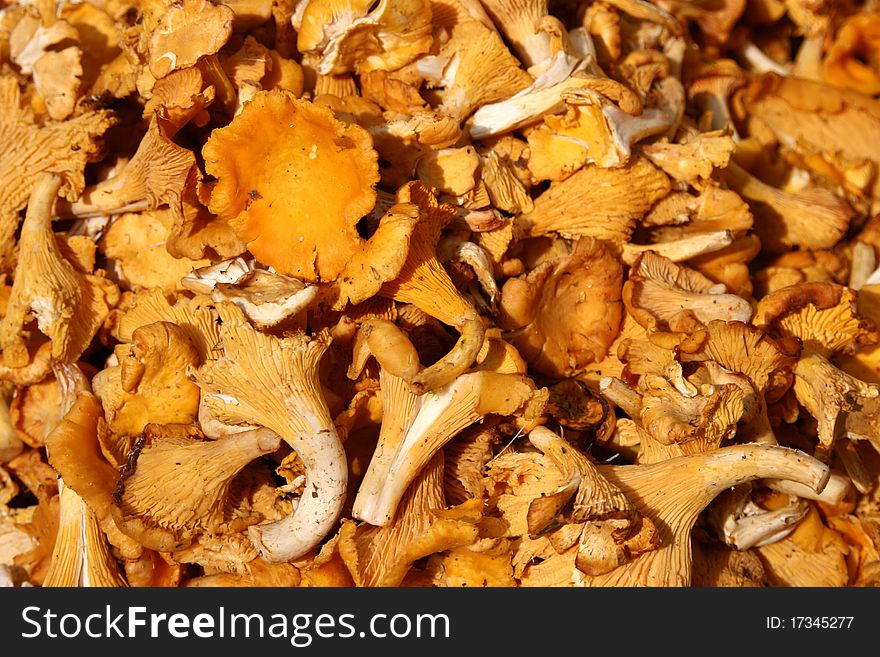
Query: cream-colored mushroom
x=273 y=382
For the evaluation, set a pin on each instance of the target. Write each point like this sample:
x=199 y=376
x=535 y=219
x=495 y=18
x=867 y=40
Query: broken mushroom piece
x=266 y=298
x=273 y=382
x=742 y=523
x=613 y=533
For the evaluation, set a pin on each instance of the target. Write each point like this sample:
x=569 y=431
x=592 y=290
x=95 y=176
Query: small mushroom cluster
x=439 y=293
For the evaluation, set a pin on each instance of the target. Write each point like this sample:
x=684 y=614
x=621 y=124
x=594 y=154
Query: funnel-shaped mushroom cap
x=423 y=282
x=519 y=21
x=155 y=175
x=295 y=195
x=176 y=488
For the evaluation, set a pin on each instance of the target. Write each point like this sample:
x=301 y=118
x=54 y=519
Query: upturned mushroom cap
x=676 y=417
x=274 y=383
x=695 y=420
x=742 y=348
x=296 y=200
x=564 y=314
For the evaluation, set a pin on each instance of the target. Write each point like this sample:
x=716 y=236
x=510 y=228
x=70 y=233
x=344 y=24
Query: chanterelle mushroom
x=439 y=292
x=414 y=427
x=295 y=200
x=69 y=304
x=564 y=314
x=825 y=319
x=175 y=488
x=273 y=382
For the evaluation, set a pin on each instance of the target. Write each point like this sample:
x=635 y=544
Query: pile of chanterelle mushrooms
x=440 y=293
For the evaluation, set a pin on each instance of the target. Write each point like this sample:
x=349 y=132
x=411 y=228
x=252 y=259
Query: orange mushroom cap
x=294 y=195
